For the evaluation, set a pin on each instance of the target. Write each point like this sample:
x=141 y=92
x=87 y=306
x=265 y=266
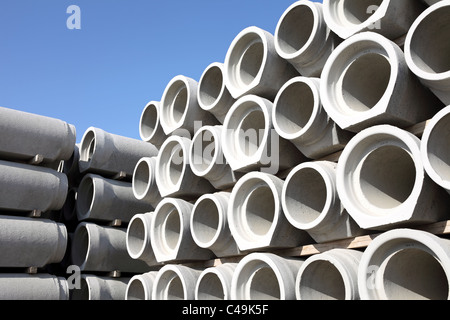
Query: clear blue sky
x=123 y=56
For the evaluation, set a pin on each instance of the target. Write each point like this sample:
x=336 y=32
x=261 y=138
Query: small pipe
x=150 y=129
x=140 y=286
x=214 y=283
x=175 y=282
x=144 y=184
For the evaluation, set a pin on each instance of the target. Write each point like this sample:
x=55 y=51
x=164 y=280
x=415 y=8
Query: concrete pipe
x=252 y=65
x=175 y=282
x=27 y=137
x=109 y=154
x=170 y=233
x=431 y=2
x=330 y=275
x=265 y=276
x=214 y=283
x=174 y=176
x=250 y=142
x=311 y=203
x=298 y=116
x=27 y=187
x=427 y=49
x=207 y=160
x=138 y=238
x=140 y=286
x=180 y=109
x=70 y=168
x=405 y=264
x=303 y=38
x=93 y=287
x=69 y=210
x=434 y=148
x=150 y=129
x=255 y=215
x=101 y=199
x=213 y=95
x=391 y=18
x=104 y=249
x=382 y=183
x=21 y=286
x=31 y=242
x=367 y=82
x=209 y=224
x=144 y=184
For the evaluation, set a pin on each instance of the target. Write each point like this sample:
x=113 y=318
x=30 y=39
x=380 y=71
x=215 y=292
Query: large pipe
x=175 y=282
x=21 y=286
x=367 y=82
x=170 y=233
x=427 y=49
x=209 y=224
x=104 y=249
x=213 y=95
x=27 y=187
x=330 y=275
x=303 y=38
x=265 y=276
x=382 y=183
x=138 y=238
x=26 y=135
x=109 y=154
x=31 y=242
x=140 y=286
x=391 y=18
x=150 y=129
x=252 y=65
x=102 y=199
x=405 y=264
x=434 y=148
x=180 y=110
x=250 y=142
x=311 y=203
x=255 y=214
x=93 y=287
x=144 y=184
x=207 y=160
x=299 y=117
x=174 y=176
x=214 y=283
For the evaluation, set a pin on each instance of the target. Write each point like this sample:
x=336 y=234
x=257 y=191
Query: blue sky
x=124 y=55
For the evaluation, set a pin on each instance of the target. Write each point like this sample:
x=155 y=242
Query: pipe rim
x=81 y=244
x=352 y=161
x=214 y=70
x=86 y=195
x=331 y=196
x=164 y=280
x=218 y=275
x=138 y=234
x=392 y=242
x=199 y=169
x=412 y=61
x=88 y=145
x=300 y=129
x=433 y=164
x=143 y=177
x=138 y=288
x=342 y=61
x=151 y=112
x=239 y=48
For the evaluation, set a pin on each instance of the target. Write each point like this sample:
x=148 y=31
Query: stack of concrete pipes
x=305 y=136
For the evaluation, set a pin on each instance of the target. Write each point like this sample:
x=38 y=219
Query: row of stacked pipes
x=334 y=128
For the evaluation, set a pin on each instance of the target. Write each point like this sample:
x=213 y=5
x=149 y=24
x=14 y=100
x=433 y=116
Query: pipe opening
x=430 y=47
x=171 y=228
x=263 y=285
x=171 y=286
x=355 y=11
x=68 y=209
x=321 y=280
x=136 y=290
x=82 y=293
x=306 y=195
x=136 y=237
x=259 y=210
x=294 y=108
x=204 y=151
x=206 y=220
x=414 y=274
x=387 y=177
x=80 y=246
x=211 y=86
x=141 y=179
x=437 y=152
x=85 y=197
x=171 y=164
x=250 y=132
x=365 y=81
x=295 y=29
x=87 y=146
x=149 y=121
x=210 y=287
x=175 y=102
